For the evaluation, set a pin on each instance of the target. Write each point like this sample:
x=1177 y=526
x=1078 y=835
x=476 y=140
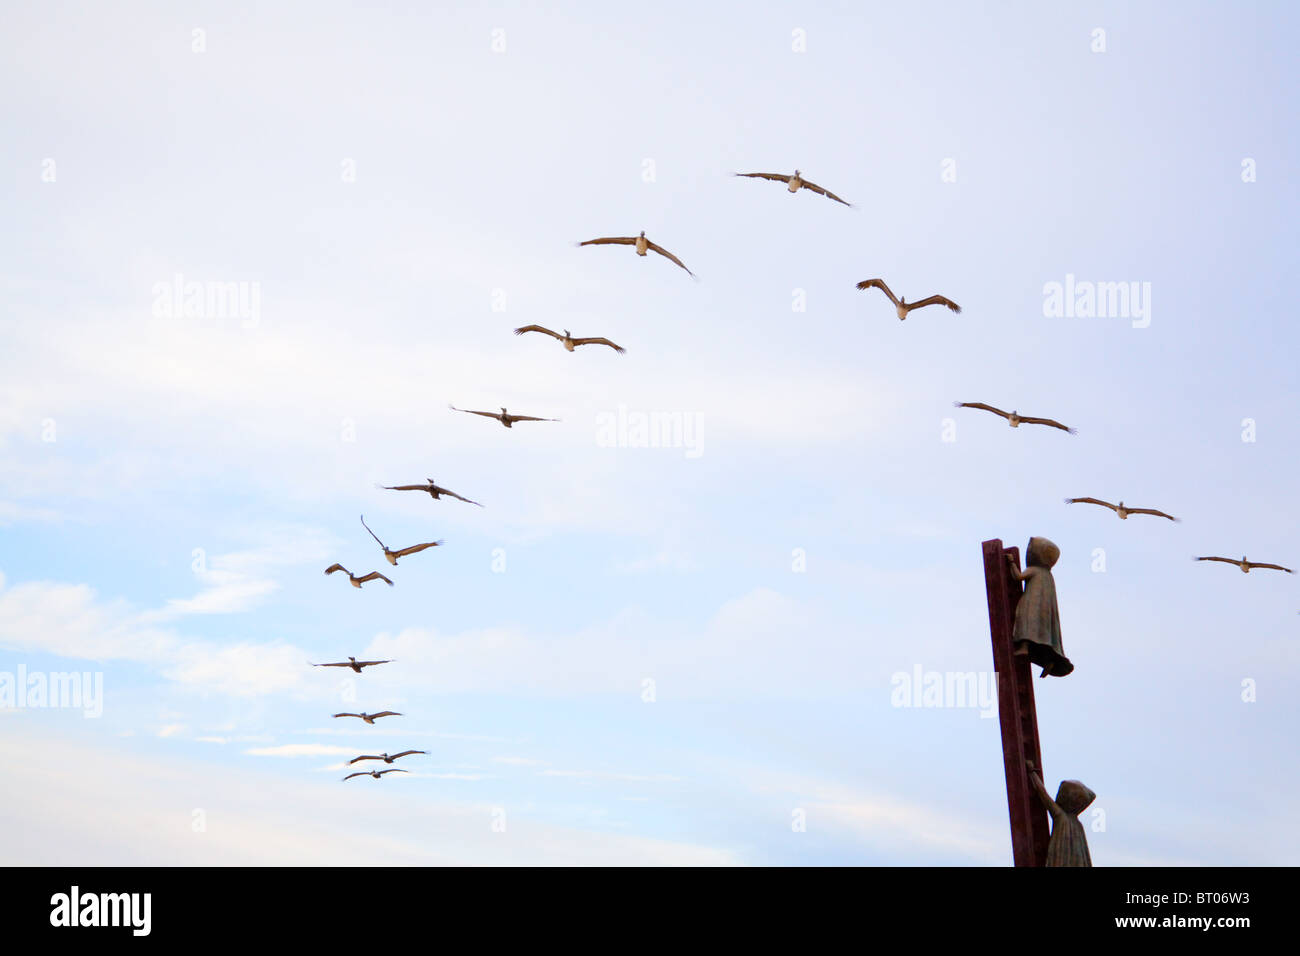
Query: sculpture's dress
x=1038 y=621
x=1069 y=844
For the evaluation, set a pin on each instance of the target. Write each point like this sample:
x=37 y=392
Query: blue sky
x=401 y=195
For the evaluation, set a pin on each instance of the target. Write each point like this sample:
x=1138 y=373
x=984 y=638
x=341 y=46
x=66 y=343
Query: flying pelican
x=1119 y=509
x=568 y=341
x=642 y=244
x=353 y=663
x=795 y=183
x=902 y=305
x=434 y=491
x=505 y=418
x=374 y=773
x=1016 y=420
x=1247 y=565
x=371 y=718
x=358 y=581
x=385 y=757
x=392 y=556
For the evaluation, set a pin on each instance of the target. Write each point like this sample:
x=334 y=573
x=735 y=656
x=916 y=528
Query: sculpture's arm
x=1016 y=573
x=1043 y=795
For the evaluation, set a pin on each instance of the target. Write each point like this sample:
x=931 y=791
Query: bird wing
x=1047 y=421
x=403 y=488
x=345 y=715
x=1275 y=567
x=600 y=341
x=935 y=300
x=364 y=757
x=668 y=255
x=337 y=567
x=987 y=408
x=393 y=770
x=1150 y=511
x=330 y=665
x=617 y=241
x=471 y=412
x=444 y=491
x=878 y=284
x=825 y=192
x=415 y=549
x=1093 y=501
x=536 y=328
x=383 y=713
x=407 y=753
x=372 y=663
x=1224 y=560
x=359 y=773
x=372 y=534
x=775 y=177
x=371 y=576
x=530 y=418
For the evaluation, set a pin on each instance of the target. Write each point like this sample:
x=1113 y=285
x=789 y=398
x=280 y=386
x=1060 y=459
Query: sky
x=692 y=654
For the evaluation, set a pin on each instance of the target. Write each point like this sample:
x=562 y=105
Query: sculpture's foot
x=1021 y=650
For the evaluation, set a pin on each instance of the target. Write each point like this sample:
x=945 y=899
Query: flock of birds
x=643 y=246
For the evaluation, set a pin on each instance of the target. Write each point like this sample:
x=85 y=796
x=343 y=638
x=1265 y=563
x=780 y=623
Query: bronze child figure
x=1068 y=845
x=1037 y=630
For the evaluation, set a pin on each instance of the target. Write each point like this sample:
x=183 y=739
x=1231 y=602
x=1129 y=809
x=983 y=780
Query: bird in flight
x=505 y=418
x=1247 y=565
x=358 y=581
x=568 y=341
x=434 y=491
x=392 y=556
x=385 y=757
x=1016 y=420
x=902 y=306
x=1119 y=509
x=353 y=663
x=795 y=183
x=642 y=244
x=371 y=718
x=375 y=773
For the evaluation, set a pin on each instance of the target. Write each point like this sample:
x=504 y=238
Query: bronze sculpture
x=1037 y=629
x=1069 y=843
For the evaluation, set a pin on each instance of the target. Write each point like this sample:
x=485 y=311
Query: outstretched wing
x=364 y=757
x=1047 y=421
x=935 y=300
x=345 y=715
x=530 y=418
x=383 y=713
x=616 y=241
x=1223 y=560
x=536 y=328
x=1275 y=567
x=372 y=534
x=359 y=773
x=775 y=177
x=1093 y=501
x=987 y=408
x=393 y=770
x=337 y=567
x=471 y=412
x=669 y=256
x=415 y=549
x=371 y=576
x=407 y=753
x=600 y=341
x=878 y=284
x=372 y=663
x=444 y=491
x=330 y=665
x=403 y=488
x=825 y=192
x=1151 y=511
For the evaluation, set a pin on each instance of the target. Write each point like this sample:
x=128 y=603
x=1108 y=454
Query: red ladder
x=1030 y=828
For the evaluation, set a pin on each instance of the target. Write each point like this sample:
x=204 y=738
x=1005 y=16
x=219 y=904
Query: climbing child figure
x=1068 y=845
x=1037 y=630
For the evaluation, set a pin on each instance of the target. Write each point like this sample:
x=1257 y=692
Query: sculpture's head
x=1041 y=553
x=1073 y=797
